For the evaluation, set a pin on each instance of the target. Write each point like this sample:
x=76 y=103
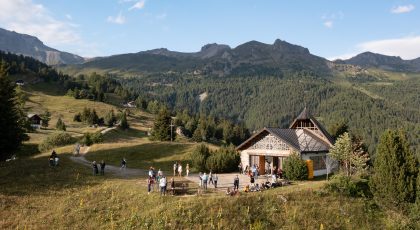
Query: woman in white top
x=180 y=170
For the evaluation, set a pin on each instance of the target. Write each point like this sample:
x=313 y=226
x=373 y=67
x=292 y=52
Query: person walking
x=215 y=179
x=123 y=164
x=236 y=183
x=162 y=184
x=102 y=167
x=180 y=170
x=187 y=169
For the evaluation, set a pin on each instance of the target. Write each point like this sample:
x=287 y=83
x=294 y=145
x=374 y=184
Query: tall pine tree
x=12 y=134
x=162 y=126
x=393 y=182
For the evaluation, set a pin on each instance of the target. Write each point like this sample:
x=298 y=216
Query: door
x=261 y=165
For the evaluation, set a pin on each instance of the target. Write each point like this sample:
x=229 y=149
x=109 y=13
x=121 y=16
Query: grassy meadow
x=34 y=195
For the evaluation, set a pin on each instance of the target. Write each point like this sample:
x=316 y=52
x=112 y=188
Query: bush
x=223 y=160
x=92 y=138
x=199 y=156
x=295 y=168
x=56 y=140
x=349 y=186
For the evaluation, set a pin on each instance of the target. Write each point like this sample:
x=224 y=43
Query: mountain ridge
x=31 y=46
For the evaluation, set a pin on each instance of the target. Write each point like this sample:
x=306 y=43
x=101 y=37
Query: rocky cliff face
x=31 y=46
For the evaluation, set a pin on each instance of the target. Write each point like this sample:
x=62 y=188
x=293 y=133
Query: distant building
x=20 y=82
x=130 y=104
x=35 y=120
x=271 y=146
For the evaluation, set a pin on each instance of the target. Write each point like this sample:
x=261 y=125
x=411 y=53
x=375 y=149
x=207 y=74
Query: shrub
x=199 y=156
x=56 y=140
x=92 y=138
x=349 y=186
x=295 y=168
x=223 y=160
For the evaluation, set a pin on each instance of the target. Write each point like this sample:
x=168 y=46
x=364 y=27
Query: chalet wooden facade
x=305 y=136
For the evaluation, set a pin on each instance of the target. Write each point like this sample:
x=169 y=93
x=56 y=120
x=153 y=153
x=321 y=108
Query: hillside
x=31 y=46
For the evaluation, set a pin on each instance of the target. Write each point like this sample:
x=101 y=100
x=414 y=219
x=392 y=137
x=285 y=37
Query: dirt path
x=117 y=171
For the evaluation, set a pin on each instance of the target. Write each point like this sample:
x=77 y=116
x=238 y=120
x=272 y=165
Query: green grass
x=35 y=196
x=142 y=154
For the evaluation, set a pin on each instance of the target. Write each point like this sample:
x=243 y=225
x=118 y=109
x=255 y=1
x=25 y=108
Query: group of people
x=254 y=170
x=207 y=179
x=178 y=169
x=96 y=168
x=53 y=159
x=159 y=179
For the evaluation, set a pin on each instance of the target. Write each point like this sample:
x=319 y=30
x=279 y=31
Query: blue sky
x=328 y=28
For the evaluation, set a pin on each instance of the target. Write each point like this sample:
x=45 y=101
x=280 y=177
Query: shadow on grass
x=27 y=149
x=118 y=135
x=157 y=154
x=34 y=176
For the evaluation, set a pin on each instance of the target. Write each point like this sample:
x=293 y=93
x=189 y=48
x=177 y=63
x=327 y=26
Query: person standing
x=175 y=168
x=215 y=179
x=187 y=169
x=205 y=178
x=102 y=167
x=162 y=184
x=240 y=168
x=56 y=161
x=95 y=168
x=236 y=183
x=180 y=170
x=210 y=177
x=252 y=179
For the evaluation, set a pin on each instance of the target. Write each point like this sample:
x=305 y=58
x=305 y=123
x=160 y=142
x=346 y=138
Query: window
x=318 y=162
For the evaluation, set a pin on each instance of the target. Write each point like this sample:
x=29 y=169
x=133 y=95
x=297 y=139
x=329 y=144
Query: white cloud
x=138 y=5
x=330 y=19
x=402 y=9
x=405 y=47
x=69 y=17
x=24 y=16
x=119 y=19
x=328 y=24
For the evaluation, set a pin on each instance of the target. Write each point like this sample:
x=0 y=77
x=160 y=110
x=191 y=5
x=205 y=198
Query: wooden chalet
x=305 y=136
x=35 y=120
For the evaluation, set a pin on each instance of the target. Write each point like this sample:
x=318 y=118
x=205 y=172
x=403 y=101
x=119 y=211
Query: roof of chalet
x=30 y=115
x=306 y=115
x=301 y=140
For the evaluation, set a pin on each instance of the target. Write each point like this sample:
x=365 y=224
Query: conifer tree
x=60 y=125
x=123 y=123
x=161 y=127
x=45 y=119
x=395 y=170
x=12 y=133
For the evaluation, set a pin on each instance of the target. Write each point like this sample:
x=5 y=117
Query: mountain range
x=28 y=45
x=250 y=58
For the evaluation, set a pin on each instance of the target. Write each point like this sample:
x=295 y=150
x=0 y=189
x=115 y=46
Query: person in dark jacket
x=95 y=168
x=236 y=183
x=102 y=167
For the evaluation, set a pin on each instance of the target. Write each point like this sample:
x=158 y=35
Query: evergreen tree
x=123 y=122
x=110 y=118
x=393 y=182
x=161 y=127
x=12 y=133
x=60 y=125
x=45 y=119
